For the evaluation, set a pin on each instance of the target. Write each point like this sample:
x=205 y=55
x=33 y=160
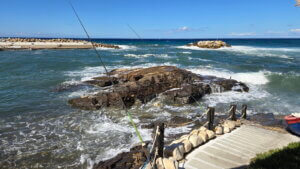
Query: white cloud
x=295 y=30
x=184 y=28
x=243 y=34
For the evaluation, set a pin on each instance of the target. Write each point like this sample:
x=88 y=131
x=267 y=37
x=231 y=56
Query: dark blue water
x=39 y=128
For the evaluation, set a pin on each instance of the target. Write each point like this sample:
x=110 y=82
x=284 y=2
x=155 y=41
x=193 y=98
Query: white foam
x=183 y=129
x=257 y=78
x=106 y=125
x=138 y=56
x=250 y=50
x=255 y=93
x=261 y=52
x=203 y=60
x=147 y=55
x=127 y=47
x=193 y=48
x=87 y=73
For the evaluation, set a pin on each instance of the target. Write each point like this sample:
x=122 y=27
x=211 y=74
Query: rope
x=187 y=123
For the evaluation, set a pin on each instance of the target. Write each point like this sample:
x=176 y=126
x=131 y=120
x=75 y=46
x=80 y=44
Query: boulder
x=135 y=158
x=141 y=85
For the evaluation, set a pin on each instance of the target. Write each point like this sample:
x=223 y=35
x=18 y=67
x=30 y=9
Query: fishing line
x=112 y=82
x=134 y=31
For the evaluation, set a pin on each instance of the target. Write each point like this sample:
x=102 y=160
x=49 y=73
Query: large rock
x=210 y=44
x=133 y=159
x=172 y=84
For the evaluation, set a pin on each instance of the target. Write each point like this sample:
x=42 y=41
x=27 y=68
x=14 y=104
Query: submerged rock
x=171 y=84
x=210 y=44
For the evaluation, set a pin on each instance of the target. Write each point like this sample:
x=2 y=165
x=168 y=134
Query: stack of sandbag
x=230 y=125
x=164 y=163
x=178 y=148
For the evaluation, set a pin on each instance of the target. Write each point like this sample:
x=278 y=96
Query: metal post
x=244 y=111
x=232 y=112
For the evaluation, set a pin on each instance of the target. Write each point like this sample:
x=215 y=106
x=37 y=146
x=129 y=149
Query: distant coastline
x=58 y=43
x=109 y=38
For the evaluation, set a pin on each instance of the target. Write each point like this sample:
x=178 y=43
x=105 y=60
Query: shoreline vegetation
x=287 y=157
x=37 y=44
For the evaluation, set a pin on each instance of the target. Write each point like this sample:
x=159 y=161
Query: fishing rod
x=106 y=71
x=112 y=82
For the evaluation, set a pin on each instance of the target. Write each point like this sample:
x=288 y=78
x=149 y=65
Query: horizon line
x=106 y=38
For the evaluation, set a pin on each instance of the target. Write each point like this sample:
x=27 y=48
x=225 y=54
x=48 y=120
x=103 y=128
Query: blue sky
x=152 y=18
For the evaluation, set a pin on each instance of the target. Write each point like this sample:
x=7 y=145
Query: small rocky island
x=210 y=44
x=35 y=44
x=138 y=86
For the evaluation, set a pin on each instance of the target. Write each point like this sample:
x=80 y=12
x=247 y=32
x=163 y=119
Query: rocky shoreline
x=209 y=44
x=170 y=84
x=36 y=44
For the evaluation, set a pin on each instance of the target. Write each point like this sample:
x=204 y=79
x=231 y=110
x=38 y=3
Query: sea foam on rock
x=209 y=44
x=141 y=85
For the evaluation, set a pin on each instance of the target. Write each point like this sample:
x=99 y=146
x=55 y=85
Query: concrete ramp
x=235 y=150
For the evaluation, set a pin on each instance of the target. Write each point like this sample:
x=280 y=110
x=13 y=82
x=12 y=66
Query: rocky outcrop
x=171 y=84
x=210 y=44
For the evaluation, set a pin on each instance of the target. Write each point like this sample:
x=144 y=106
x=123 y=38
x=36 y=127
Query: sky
x=151 y=18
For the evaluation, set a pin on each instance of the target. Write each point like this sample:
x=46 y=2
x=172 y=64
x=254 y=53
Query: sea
x=39 y=129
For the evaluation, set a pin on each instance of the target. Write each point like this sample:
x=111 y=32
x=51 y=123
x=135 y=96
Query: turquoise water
x=38 y=127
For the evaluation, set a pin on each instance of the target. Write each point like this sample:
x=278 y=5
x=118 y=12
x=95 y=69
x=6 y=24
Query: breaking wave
x=147 y=55
x=257 y=78
x=249 y=50
x=123 y=47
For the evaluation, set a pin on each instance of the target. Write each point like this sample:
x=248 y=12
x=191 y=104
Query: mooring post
x=244 y=111
x=232 y=112
x=158 y=143
x=210 y=117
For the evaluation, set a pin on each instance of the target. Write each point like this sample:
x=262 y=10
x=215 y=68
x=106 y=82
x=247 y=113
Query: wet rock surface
x=210 y=44
x=133 y=159
x=141 y=85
